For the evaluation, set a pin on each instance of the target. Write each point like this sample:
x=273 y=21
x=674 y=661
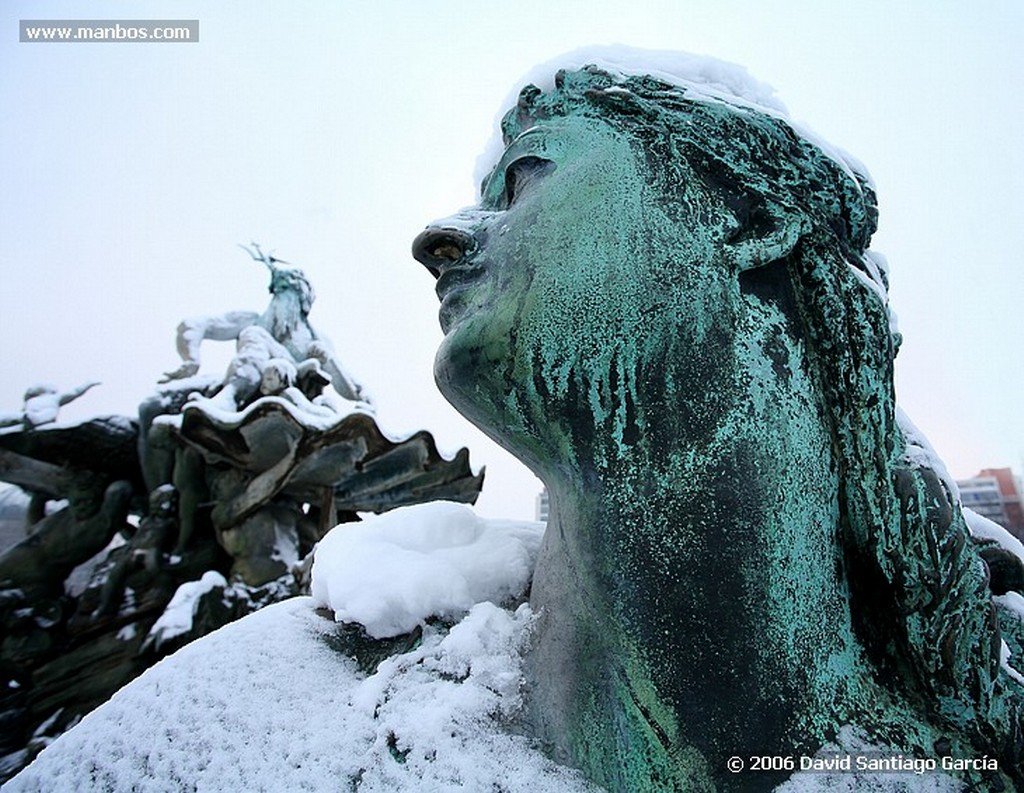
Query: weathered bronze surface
x=665 y=306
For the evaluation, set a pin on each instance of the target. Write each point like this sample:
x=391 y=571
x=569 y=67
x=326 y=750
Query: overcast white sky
x=332 y=132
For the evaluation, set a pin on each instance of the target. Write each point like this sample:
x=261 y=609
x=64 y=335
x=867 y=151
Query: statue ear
x=763 y=235
x=762 y=246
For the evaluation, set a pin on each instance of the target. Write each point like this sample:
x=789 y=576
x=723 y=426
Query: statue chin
x=471 y=367
x=483 y=390
x=475 y=389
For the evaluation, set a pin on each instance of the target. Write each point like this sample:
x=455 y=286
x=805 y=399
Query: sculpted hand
x=319 y=351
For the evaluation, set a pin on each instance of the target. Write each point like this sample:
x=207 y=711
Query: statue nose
x=435 y=248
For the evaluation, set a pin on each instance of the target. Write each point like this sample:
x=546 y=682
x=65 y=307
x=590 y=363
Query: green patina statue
x=665 y=306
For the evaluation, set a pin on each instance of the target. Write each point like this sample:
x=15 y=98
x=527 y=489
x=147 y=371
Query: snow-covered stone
x=392 y=572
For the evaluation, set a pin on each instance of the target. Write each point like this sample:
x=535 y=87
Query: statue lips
x=455 y=279
x=454 y=282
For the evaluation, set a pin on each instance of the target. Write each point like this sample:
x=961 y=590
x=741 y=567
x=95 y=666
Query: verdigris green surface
x=666 y=308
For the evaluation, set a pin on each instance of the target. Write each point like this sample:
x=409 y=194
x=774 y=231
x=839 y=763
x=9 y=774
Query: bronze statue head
x=665 y=305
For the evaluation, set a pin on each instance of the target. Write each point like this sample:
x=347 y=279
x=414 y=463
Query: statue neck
x=693 y=595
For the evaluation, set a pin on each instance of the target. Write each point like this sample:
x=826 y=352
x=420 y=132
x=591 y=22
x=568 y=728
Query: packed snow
x=265 y=704
x=392 y=572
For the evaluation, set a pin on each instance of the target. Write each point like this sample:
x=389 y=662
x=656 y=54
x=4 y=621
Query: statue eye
x=521 y=173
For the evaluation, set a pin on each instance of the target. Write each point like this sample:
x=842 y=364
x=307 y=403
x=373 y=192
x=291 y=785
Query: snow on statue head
x=664 y=304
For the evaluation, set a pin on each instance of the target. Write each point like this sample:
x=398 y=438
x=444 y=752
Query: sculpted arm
x=75 y=393
x=192 y=333
x=321 y=349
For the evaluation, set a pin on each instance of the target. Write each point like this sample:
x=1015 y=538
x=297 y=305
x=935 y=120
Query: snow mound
x=265 y=704
x=392 y=572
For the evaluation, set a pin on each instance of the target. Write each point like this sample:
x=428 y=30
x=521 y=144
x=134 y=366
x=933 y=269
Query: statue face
x=567 y=280
x=273 y=380
x=285 y=280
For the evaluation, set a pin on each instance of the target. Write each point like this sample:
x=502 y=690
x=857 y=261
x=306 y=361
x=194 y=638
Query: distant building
x=543 y=506
x=996 y=493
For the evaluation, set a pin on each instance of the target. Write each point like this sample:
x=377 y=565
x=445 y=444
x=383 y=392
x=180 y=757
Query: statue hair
x=919 y=590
